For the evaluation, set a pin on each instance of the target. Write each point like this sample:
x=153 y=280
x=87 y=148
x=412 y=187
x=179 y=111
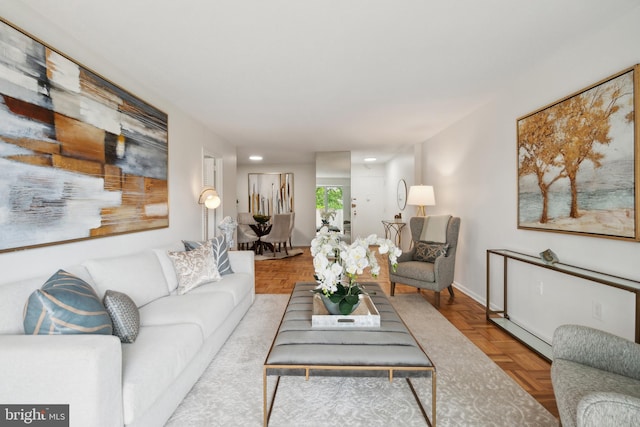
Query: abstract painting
x=270 y=193
x=79 y=156
x=577 y=162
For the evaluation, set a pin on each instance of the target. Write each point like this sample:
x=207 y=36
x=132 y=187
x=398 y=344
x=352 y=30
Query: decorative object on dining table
x=338 y=264
x=261 y=219
x=549 y=257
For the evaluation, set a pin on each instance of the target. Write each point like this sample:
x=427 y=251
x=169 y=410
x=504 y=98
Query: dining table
x=261 y=229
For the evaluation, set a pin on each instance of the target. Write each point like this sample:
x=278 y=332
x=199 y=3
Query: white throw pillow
x=195 y=267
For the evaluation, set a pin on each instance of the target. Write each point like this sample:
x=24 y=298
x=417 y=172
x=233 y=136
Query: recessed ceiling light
x=255 y=158
x=370 y=159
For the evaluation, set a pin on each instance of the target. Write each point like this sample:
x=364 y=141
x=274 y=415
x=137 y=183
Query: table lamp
x=421 y=196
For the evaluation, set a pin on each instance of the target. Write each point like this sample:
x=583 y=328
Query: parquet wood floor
x=528 y=369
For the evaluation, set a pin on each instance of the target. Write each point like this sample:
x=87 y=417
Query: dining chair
x=280 y=232
x=246 y=236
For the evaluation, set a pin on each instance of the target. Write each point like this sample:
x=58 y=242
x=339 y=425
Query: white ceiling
x=286 y=78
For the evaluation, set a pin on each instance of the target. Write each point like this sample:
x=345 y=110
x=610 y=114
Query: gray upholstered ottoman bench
x=299 y=349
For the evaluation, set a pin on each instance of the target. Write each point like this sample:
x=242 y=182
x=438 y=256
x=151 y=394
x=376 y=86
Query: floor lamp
x=210 y=199
x=421 y=196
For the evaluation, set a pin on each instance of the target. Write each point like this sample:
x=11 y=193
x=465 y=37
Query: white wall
x=400 y=167
x=187 y=139
x=473 y=168
x=304 y=194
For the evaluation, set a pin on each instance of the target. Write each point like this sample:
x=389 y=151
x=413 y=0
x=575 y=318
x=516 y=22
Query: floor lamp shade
x=209 y=197
x=421 y=196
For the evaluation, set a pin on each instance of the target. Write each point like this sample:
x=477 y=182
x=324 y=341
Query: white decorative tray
x=365 y=315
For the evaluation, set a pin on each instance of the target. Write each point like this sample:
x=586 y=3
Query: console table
x=393 y=230
x=501 y=317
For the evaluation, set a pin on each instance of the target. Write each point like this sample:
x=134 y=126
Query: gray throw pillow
x=220 y=255
x=428 y=252
x=124 y=315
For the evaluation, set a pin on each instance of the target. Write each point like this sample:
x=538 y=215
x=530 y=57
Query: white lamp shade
x=421 y=195
x=209 y=197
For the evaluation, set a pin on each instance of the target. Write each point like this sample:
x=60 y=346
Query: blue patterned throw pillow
x=65 y=304
x=220 y=255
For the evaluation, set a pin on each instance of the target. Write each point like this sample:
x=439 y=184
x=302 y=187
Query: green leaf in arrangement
x=345 y=307
x=351 y=299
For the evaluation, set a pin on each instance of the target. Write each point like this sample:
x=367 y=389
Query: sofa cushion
x=167 y=264
x=428 y=252
x=153 y=363
x=207 y=310
x=238 y=285
x=65 y=304
x=138 y=275
x=124 y=315
x=195 y=267
x=220 y=255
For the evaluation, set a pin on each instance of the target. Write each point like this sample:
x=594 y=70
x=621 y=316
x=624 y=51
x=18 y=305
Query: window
x=329 y=207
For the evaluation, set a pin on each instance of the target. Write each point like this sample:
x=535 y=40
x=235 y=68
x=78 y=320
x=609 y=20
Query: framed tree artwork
x=577 y=165
x=79 y=156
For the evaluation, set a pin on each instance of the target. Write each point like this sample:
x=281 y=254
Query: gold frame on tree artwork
x=577 y=166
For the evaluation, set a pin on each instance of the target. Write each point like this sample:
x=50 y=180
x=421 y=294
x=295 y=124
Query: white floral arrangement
x=327 y=214
x=333 y=258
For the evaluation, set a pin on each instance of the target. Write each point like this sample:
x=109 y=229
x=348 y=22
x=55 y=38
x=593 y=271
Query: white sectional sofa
x=109 y=383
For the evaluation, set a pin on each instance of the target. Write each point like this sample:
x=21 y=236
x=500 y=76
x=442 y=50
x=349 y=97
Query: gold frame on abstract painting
x=80 y=157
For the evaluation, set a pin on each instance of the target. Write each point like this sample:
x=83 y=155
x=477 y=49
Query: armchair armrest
x=600 y=409
x=444 y=269
x=83 y=371
x=598 y=349
x=242 y=262
x=407 y=256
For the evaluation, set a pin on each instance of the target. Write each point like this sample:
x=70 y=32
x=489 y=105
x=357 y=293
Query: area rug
x=268 y=256
x=471 y=389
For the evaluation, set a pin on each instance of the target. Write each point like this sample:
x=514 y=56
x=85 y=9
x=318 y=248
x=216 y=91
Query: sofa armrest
x=610 y=409
x=83 y=371
x=242 y=262
x=598 y=349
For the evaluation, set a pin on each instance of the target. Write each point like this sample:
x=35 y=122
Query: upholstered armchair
x=280 y=231
x=246 y=236
x=430 y=263
x=595 y=377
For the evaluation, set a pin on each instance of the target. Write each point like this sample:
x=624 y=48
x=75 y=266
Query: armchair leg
x=393 y=288
x=437 y=301
x=450 y=288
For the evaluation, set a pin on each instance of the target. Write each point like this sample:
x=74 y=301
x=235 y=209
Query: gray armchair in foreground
x=435 y=275
x=596 y=378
